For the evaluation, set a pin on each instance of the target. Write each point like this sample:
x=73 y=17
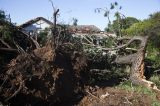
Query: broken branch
x=9 y=50
x=6 y=44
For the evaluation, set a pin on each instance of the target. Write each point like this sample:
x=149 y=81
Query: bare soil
x=116 y=97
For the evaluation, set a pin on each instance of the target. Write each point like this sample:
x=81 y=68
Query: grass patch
x=156 y=80
x=127 y=85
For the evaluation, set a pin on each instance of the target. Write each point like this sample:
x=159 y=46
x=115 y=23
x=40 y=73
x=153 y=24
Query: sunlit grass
x=155 y=79
x=127 y=85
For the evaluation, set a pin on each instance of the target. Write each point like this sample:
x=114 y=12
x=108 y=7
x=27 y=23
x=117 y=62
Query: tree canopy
x=123 y=23
x=2 y=15
x=149 y=27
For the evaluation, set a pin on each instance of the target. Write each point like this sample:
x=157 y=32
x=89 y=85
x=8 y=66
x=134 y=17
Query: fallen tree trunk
x=136 y=61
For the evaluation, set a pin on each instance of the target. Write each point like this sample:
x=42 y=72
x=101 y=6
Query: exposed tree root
x=45 y=75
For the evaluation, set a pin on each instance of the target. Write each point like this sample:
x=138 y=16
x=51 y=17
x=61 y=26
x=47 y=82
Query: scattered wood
x=100 y=99
x=8 y=50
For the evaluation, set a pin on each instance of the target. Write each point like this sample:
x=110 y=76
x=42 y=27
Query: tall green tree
x=75 y=21
x=119 y=25
x=128 y=21
x=2 y=15
x=149 y=27
x=114 y=7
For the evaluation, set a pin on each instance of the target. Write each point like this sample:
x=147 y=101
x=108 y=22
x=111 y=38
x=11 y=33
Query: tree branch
x=54 y=14
x=34 y=41
x=125 y=59
x=4 y=43
x=55 y=18
x=16 y=92
x=9 y=50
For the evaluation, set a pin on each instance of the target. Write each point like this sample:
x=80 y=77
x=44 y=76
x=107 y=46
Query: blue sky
x=83 y=10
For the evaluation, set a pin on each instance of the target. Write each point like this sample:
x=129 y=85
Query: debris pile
x=114 y=97
x=59 y=72
x=44 y=76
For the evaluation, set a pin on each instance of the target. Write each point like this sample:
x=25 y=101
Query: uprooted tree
x=50 y=74
x=136 y=61
x=57 y=71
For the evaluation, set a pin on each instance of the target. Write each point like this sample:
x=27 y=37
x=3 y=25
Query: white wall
x=40 y=25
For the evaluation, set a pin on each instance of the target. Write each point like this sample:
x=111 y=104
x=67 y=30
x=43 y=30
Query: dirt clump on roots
x=44 y=76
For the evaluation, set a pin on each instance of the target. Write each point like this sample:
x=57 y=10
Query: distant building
x=40 y=23
x=83 y=29
x=36 y=25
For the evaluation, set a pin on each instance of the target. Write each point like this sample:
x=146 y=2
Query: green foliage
x=122 y=24
x=127 y=85
x=2 y=15
x=5 y=28
x=155 y=79
x=116 y=26
x=155 y=103
x=153 y=54
x=6 y=31
x=42 y=38
x=109 y=42
x=149 y=27
x=75 y=21
x=155 y=16
x=113 y=27
x=137 y=28
x=112 y=6
x=107 y=12
x=128 y=21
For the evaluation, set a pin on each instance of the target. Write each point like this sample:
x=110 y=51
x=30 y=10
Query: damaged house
x=34 y=26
